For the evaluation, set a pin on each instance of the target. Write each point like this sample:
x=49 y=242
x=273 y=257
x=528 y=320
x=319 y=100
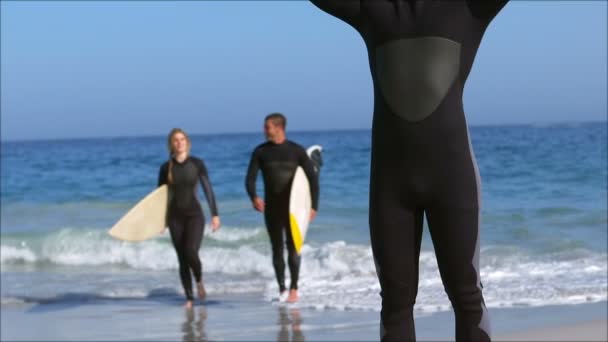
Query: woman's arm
x=207 y=189
x=162 y=175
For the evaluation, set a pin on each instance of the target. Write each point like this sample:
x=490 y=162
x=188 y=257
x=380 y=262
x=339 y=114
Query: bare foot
x=293 y=296
x=283 y=296
x=188 y=305
x=201 y=291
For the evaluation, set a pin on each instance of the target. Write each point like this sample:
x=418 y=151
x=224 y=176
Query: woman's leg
x=195 y=226
x=177 y=228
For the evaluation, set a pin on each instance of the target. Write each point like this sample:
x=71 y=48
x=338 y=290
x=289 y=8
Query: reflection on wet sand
x=193 y=327
x=290 y=317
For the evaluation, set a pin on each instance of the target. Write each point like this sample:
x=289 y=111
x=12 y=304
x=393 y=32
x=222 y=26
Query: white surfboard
x=300 y=202
x=146 y=219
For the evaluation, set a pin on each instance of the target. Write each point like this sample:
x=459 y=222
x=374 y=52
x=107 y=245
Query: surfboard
x=146 y=219
x=300 y=200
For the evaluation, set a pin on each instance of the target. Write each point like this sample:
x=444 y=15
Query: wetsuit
x=278 y=163
x=185 y=218
x=420 y=54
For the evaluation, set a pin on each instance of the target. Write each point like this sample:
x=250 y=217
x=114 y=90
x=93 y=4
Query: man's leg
x=396 y=234
x=275 y=232
x=455 y=234
x=293 y=260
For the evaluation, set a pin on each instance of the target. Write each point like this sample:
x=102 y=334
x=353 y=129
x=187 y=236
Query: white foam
x=333 y=275
x=232 y=234
x=11 y=254
x=11 y=300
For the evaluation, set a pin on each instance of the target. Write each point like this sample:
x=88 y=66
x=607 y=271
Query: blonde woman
x=182 y=173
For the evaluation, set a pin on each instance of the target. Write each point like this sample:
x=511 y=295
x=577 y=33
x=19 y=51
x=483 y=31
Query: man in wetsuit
x=420 y=54
x=278 y=158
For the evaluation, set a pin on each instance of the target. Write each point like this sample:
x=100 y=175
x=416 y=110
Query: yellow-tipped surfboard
x=146 y=219
x=300 y=200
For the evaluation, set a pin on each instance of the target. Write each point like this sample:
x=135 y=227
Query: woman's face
x=179 y=143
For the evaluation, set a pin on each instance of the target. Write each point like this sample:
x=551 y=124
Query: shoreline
x=250 y=317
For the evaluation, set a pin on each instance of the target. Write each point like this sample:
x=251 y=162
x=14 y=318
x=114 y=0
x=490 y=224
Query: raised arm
x=252 y=174
x=313 y=179
x=346 y=10
x=207 y=189
x=486 y=10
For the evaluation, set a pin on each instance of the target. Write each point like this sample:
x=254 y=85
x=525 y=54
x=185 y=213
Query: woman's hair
x=170 y=148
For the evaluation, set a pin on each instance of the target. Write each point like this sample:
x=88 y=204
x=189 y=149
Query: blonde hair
x=170 y=148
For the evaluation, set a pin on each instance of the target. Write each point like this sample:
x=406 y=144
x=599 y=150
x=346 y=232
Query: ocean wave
x=334 y=275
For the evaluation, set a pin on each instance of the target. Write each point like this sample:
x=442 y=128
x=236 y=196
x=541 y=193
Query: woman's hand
x=215 y=223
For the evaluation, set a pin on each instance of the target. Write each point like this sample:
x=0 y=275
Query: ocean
x=543 y=235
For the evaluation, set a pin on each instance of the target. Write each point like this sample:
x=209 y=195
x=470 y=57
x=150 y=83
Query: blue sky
x=87 y=69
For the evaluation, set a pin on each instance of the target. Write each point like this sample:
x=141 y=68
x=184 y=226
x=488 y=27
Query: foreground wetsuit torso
x=420 y=54
x=278 y=163
x=185 y=219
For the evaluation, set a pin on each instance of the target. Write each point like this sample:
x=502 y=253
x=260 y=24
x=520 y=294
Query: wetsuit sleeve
x=313 y=179
x=207 y=189
x=252 y=174
x=346 y=10
x=162 y=175
x=486 y=10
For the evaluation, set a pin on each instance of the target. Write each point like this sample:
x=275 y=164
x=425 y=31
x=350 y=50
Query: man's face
x=271 y=130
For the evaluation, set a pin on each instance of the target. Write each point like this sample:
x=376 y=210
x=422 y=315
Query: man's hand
x=258 y=204
x=215 y=223
x=313 y=214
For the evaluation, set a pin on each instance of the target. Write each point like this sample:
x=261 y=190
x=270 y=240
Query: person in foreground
x=186 y=221
x=420 y=54
x=278 y=158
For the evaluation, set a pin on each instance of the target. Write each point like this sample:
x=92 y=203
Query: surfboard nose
x=314 y=153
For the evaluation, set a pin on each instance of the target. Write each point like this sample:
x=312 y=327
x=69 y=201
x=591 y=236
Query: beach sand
x=585 y=331
x=250 y=317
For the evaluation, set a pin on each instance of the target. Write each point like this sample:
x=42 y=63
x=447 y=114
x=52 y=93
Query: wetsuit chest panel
x=415 y=74
x=278 y=175
x=185 y=178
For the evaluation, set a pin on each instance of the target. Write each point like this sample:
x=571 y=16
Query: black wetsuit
x=420 y=54
x=186 y=220
x=278 y=163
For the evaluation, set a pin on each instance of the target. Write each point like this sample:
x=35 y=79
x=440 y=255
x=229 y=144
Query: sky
x=127 y=68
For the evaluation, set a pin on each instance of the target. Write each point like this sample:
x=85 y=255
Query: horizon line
x=155 y=135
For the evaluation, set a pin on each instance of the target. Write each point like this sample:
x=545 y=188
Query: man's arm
x=313 y=179
x=347 y=10
x=486 y=10
x=252 y=174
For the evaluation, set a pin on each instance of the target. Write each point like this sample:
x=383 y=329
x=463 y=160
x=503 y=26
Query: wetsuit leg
x=455 y=235
x=293 y=258
x=396 y=233
x=193 y=236
x=275 y=232
x=177 y=227
x=277 y=223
